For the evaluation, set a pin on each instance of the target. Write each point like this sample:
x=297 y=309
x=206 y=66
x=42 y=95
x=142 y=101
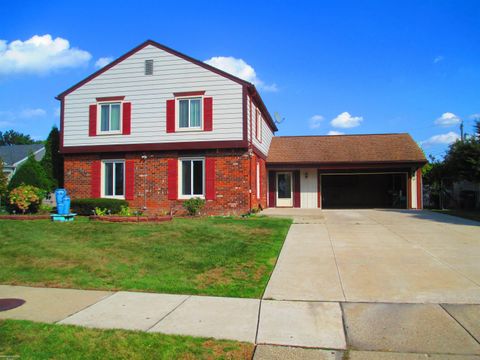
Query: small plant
x=45 y=209
x=194 y=205
x=100 y=212
x=87 y=206
x=26 y=198
x=125 y=211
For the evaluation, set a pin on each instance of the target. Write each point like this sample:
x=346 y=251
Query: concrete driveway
x=377 y=256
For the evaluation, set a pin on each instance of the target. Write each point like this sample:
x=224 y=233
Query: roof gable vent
x=148 y=67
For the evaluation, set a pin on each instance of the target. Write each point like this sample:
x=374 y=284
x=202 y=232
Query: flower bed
x=118 y=218
x=25 y=217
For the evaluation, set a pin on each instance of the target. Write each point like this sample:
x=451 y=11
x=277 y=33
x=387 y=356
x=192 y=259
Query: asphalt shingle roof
x=10 y=154
x=374 y=148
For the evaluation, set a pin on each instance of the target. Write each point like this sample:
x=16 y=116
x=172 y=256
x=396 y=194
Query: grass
x=29 y=340
x=209 y=256
x=466 y=214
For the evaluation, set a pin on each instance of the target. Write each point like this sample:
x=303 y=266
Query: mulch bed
x=25 y=217
x=115 y=218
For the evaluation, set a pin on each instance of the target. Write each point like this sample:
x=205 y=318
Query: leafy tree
x=31 y=173
x=12 y=137
x=52 y=162
x=3 y=182
x=463 y=157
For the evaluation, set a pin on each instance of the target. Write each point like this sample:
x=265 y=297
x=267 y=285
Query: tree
x=12 y=137
x=463 y=159
x=3 y=181
x=52 y=162
x=31 y=173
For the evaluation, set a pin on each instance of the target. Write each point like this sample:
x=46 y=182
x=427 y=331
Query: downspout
x=250 y=149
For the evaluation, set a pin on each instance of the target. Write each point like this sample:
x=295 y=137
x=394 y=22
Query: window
x=110 y=117
x=258 y=126
x=191 y=178
x=113 y=178
x=258 y=179
x=190 y=113
x=148 y=67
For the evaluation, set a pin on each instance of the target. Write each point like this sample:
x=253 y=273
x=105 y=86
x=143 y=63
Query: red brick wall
x=231 y=182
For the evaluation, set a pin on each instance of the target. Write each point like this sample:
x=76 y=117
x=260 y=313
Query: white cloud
x=346 y=121
x=438 y=59
x=448 y=119
x=101 y=62
x=475 y=116
x=315 y=121
x=441 y=139
x=239 y=68
x=31 y=113
x=334 y=132
x=40 y=55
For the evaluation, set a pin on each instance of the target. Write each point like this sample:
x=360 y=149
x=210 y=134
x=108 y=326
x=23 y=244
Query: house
x=14 y=156
x=156 y=127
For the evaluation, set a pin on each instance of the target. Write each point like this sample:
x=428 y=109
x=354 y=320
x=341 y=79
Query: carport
x=345 y=172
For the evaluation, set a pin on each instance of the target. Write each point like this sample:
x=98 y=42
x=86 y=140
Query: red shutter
x=172 y=179
x=208 y=114
x=272 y=188
x=127 y=116
x=92 y=120
x=296 y=189
x=129 y=179
x=210 y=178
x=95 y=179
x=170 y=116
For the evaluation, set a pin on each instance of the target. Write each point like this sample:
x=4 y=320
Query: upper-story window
x=190 y=113
x=110 y=117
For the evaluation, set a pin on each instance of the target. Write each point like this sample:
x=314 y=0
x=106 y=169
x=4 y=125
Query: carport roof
x=345 y=149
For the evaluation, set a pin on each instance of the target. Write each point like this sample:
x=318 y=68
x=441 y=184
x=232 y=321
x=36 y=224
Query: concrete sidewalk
x=368 y=330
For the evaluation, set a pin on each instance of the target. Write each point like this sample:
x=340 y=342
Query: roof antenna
x=278 y=118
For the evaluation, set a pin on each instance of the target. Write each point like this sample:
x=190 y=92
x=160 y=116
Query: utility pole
x=462 y=135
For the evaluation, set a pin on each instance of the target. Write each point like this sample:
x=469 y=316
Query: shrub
x=193 y=205
x=125 y=211
x=25 y=198
x=85 y=206
x=31 y=173
x=45 y=209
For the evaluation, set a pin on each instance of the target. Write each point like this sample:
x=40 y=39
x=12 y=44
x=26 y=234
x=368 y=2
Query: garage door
x=364 y=191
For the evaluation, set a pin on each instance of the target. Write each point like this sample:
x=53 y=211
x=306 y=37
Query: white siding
x=267 y=133
x=414 y=190
x=148 y=95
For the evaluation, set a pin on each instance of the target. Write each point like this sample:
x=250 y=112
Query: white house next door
x=284 y=189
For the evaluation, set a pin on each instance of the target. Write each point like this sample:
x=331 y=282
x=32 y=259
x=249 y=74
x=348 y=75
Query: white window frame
x=258 y=126
x=99 y=118
x=102 y=184
x=180 y=177
x=177 y=113
x=258 y=179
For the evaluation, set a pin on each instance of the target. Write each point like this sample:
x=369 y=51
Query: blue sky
x=343 y=66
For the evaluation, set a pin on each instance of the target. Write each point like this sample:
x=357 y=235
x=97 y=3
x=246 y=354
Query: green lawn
x=29 y=340
x=466 y=214
x=211 y=256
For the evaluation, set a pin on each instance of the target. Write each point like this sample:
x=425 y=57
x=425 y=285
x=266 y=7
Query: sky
x=336 y=67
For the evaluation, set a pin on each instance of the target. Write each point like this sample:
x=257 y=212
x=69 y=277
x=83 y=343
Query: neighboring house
x=14 y=156
x=156 y=127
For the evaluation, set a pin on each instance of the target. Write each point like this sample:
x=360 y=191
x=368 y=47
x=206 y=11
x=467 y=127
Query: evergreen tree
x=31 y=173
x=52 y=162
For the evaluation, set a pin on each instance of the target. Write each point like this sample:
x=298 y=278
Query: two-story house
x=156 y=127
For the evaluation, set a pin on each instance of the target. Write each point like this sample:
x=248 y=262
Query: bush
x=31 y=173
x=25 y=198
x=193 y=205
x=125 y=211
x=85 y=206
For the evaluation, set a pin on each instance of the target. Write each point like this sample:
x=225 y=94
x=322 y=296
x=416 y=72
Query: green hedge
x=85 y=206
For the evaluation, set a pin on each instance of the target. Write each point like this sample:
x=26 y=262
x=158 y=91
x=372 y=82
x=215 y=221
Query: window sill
x=188 y=197
x=107 y=133
x=189 y=129
x=113 y=197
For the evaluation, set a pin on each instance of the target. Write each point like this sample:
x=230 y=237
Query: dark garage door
x=364 y=191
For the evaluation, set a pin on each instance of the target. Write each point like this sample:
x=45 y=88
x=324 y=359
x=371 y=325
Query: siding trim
x=110 y=98
x=199 y=145
x=188 y=93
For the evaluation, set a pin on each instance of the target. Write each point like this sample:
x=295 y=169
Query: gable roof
x=251 y=88
x=12 y=154
x=346 y=149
